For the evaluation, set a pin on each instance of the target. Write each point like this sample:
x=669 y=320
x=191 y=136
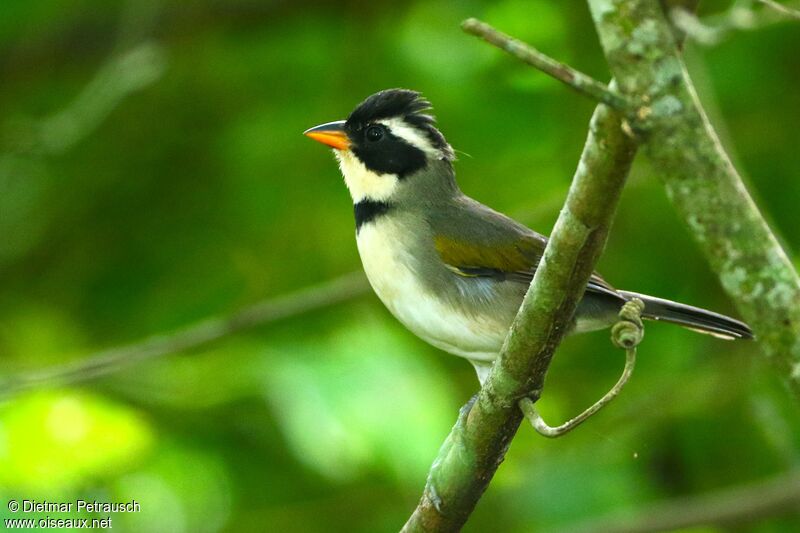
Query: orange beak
x=331 y=133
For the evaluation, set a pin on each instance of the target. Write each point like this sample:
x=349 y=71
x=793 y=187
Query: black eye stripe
x=389 y=155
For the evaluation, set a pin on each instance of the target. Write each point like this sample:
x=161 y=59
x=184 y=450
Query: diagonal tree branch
x=123 y=74
x=479 y=440
x=731 y=507
x=115 y=359
x=700 y=179
x=741 y=15
x=564 y=73
x=483 y=432
x=785 y=10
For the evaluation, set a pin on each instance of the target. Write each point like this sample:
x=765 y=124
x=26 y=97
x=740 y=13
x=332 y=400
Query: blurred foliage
x=152 y=172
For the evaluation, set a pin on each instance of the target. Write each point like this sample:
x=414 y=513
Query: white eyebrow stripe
x=410 y=134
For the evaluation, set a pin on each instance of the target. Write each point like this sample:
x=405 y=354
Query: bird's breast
x=396 y=263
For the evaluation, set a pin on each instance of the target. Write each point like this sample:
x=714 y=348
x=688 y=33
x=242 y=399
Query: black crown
x=400 y=103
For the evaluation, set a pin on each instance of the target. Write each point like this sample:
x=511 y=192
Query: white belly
x=389 y=270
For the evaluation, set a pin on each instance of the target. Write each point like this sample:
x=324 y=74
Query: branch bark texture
x=700 y=179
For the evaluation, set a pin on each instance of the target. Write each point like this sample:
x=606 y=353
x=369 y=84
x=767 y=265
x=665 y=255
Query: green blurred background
x=153 y=173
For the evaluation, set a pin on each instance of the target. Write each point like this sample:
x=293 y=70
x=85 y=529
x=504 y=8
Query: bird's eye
x=374 y=133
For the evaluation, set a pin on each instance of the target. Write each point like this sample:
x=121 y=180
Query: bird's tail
x=692 y=318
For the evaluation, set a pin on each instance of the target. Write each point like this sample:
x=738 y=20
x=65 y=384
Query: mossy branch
x=699 y=177
x=479 y=440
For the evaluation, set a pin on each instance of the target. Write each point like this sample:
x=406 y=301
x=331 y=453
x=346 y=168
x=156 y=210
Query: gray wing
x=476 y=241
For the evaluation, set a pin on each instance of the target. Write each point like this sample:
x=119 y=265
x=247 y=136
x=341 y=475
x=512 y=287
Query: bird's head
x=389 y=147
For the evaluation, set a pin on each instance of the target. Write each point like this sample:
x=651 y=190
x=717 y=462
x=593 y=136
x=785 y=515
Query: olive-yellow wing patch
x=518 y=258
x=513 y=261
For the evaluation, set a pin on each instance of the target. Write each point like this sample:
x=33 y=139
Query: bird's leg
x=627 y=333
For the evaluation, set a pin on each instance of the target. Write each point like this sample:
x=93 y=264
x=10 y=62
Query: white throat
x=362 y=182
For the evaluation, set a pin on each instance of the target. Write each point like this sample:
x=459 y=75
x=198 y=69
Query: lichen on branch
x=700 y=179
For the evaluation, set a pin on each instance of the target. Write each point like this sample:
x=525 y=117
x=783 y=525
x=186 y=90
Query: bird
x=450 y=269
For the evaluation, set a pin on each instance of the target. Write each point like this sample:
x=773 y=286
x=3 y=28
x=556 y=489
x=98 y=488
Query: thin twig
x=727 y=507
x=740 y=16
x=780 y=8
x=544 y=429
x=564 y=73
x=713 y=30
x=123 y=74
x=115 y=359
x=626 y=334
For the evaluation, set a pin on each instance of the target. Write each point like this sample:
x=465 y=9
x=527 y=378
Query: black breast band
x=368 y=210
